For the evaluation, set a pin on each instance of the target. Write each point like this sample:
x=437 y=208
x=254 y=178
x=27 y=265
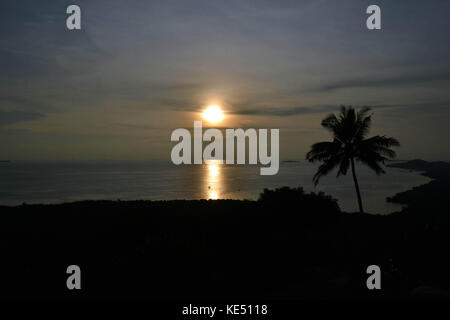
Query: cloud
x=10 y=117
x=11 y=103
x=286 y=112
x=388 y=81
x=138 y=62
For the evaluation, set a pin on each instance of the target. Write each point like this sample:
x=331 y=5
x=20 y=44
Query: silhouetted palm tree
x=349 y=129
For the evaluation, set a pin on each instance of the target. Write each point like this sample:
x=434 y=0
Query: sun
x=213 y=114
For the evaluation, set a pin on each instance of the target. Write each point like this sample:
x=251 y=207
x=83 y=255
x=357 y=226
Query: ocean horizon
x=57 y=182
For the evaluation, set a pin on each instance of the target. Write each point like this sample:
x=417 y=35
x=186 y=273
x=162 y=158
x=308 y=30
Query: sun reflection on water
x=213 y=179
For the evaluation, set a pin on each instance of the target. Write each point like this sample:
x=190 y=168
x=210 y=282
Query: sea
x=57 y=182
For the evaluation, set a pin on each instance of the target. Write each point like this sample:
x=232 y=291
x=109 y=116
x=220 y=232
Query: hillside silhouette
x=287 y=245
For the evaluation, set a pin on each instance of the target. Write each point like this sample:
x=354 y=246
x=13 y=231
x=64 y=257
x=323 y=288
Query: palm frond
x=323 y=150
x=325 y=168
x=363 y=123
x=382 y=141
x=373 y=161
x=343 y=167
x=331 y=122
x=377 y=144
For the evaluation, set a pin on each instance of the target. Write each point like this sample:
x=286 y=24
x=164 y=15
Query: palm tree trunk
x=358 y=194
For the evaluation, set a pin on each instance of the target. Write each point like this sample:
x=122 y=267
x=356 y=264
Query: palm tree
x=349 y=129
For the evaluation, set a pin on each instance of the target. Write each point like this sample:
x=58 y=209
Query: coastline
x=427 y=195
x=145 y=241
x=56 y=183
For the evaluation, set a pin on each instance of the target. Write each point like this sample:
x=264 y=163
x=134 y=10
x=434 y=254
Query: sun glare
x=213 y=170
x=213 y=114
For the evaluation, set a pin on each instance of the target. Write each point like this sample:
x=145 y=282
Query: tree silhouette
x=349 y=129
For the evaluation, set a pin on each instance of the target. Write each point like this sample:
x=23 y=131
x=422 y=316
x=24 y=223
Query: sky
x=137 y=70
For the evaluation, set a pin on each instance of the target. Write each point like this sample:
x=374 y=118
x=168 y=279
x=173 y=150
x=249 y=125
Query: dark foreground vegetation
x=288 y=245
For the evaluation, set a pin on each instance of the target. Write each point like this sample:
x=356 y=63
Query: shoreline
x=438 y=171
x=143 y=242
x=417 y=168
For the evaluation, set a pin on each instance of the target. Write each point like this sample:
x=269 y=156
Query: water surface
x=39 y=182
